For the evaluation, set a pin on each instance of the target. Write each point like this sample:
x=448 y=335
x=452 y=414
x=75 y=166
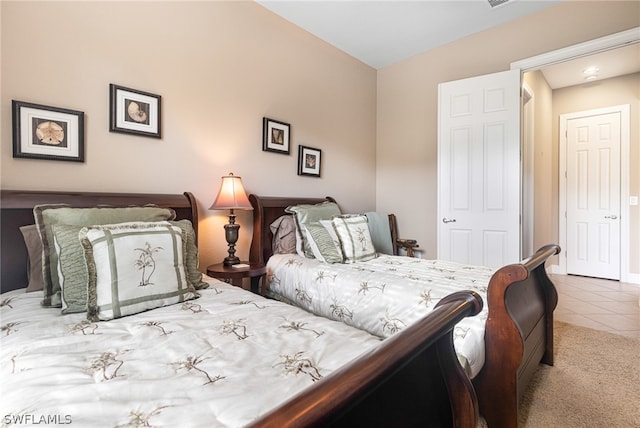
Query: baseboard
x=555 y=269
x=632 y=278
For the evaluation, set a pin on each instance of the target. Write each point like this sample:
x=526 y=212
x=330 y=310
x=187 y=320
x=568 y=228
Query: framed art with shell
x=134 y=112
x=44 y=132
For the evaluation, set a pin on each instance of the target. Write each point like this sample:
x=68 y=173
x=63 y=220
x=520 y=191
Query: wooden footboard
x=519 y=335
x=412 y=379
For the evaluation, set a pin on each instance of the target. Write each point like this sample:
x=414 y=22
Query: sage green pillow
x=324 y=241
x=48 y=215
x=306 y=214
x=71 y=267
x=194 y=276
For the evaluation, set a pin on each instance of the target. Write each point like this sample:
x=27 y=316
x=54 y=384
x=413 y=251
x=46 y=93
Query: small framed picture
x=275 y=136
x=134 y=112
x=309 y=161
x=43 y=132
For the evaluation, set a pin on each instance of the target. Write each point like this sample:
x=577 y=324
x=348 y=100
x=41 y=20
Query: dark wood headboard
x=266 y=209
x=17 y=210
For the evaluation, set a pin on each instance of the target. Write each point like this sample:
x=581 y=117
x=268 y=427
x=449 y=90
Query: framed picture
x=309 y=161
x=43 y=132
x=134 y=112
x=275 y=136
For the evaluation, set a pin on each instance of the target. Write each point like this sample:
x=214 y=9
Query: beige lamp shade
x=231 y=195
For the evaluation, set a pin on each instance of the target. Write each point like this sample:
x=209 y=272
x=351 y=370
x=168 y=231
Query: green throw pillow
x=325 y=247
x=306 y=214
x=48 y=215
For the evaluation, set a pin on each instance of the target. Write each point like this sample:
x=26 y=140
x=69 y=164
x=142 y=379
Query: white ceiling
x=382 y=32
x=612 y=63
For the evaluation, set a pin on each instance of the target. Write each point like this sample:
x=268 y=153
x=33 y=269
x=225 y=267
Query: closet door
x=593 y=207
x=479 y=169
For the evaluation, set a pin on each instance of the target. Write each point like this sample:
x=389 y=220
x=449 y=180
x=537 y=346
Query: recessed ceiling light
x=591 y=71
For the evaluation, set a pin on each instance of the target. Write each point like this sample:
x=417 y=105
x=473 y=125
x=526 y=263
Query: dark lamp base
x=231 y=235
x=230 y=261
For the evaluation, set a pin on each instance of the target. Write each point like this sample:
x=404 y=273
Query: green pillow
x=307 y=214
x=325 y=247
x=72 y=269
x=48 y=215
x=194 y=276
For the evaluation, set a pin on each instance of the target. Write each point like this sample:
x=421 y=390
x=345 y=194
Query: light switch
x=633 y=200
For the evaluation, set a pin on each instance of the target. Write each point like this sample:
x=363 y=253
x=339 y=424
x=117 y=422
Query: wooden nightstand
x=234 y=276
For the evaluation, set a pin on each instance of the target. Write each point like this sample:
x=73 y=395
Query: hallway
x=599 y=304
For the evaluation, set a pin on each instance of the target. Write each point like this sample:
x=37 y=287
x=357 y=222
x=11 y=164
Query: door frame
x=602 y=44
x=527 y=197
x=625 y=139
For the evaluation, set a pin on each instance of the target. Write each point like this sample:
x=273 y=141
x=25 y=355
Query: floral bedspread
x=220 y=360
x=383 y=295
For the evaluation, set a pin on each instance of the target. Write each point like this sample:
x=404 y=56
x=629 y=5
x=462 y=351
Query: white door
x=593 y=195
x=479 y=169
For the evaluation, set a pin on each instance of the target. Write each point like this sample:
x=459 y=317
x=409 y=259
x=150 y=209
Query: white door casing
x=479 y=169
x=527 y=209
x=593 y=218
x=580 y=50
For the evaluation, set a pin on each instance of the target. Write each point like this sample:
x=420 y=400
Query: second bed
x=500 y=348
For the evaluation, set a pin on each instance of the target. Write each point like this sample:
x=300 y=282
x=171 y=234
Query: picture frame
x=309 y=161
x=275 y=136
x=134 y=112
x=45 y=132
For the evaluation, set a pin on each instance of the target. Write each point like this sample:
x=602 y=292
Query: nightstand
x=234 y=276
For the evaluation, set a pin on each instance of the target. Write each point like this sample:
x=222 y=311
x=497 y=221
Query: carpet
x=595 y=382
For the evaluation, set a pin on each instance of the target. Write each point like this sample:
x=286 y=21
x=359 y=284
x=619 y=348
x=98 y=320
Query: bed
x=225 y=357
x=501 y=348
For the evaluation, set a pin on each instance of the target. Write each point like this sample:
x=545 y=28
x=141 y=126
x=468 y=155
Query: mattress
x=212 y=361
x=384 y=295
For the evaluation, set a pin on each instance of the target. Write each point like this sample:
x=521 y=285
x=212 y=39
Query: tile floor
x=600 y=304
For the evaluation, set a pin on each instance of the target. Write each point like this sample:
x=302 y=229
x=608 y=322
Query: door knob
x=612 y=217
x=448 y=220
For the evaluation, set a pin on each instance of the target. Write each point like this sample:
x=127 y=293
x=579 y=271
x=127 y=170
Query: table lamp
x=231 y=196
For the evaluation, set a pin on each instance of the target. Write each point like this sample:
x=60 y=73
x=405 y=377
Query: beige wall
x=408 y=93
x=545 y=191
x=219 y=67
x=607 y=93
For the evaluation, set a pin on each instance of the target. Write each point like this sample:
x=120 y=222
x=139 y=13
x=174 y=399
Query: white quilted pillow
x=133 y=267
x=355 y=238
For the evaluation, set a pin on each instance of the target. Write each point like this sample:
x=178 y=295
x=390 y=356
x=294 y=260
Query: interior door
x=479 y=169
x=593 y=195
